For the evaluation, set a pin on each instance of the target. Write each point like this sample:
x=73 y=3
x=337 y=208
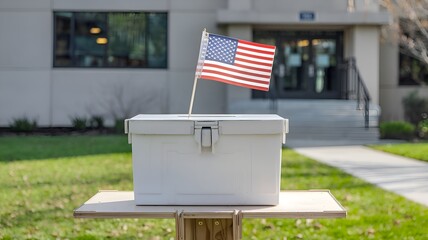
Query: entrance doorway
x=306 y=64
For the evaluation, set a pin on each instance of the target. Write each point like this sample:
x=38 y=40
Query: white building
x=61 y=58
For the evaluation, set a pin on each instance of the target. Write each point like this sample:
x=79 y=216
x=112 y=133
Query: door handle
x=311 y=70
x=281 y=70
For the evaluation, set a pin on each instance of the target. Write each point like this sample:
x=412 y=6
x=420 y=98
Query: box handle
x=206 y=137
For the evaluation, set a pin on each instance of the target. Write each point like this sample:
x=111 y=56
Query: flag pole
x=193 y=95
x=197 y=74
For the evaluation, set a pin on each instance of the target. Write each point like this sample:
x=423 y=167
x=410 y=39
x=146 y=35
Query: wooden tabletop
x=292 y=204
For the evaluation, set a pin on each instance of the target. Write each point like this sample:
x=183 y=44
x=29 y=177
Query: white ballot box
x=206 y=159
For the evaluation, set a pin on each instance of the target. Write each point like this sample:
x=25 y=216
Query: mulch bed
x=58 y=131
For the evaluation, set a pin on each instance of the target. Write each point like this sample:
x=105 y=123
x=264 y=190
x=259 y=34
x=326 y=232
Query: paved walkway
x=404 y=176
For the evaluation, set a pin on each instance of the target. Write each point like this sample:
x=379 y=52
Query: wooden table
x=213 y=222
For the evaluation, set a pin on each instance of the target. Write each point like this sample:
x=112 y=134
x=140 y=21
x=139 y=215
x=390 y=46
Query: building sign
x=307 y=16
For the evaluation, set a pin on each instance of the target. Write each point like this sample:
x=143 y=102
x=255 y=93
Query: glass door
x=305 y=64
x=295 y=70
x=325 y=64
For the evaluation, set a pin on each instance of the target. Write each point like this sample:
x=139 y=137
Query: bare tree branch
x=410 y=26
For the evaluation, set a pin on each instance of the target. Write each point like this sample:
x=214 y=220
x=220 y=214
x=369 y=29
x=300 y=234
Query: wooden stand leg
x=209 y=228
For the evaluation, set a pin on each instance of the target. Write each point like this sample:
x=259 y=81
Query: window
x=412 y=71
x=114 y=39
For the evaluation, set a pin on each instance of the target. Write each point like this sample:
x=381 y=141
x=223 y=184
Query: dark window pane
x=88 y=52
x=412 y=71
x=97 y=39
x=127 y=40
x=157 y=44
x=63 y=39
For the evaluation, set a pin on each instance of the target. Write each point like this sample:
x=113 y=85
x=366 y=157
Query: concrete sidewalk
x=404 y=176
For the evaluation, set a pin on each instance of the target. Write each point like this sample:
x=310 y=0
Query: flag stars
x=221 y=49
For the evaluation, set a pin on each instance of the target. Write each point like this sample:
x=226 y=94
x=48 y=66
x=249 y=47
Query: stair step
x=331 y=120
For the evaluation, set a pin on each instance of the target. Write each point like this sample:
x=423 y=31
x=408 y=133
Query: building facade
x=60 y=59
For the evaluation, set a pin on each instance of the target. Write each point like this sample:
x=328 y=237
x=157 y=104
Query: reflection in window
x=412 y=71
x=324 y=51
x=296 y=57
x=97 y=39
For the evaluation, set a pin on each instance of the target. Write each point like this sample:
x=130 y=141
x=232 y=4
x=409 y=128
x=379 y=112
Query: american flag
x=235 y=61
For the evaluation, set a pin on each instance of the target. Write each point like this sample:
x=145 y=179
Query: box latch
x=126 y=126
x=285 y=131
x=206 y=135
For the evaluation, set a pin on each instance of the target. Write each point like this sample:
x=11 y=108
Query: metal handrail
x=355 y=88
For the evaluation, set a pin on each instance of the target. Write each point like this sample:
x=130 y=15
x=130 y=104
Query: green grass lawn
x=411 y=150
x=42 y=147
x=38 y=195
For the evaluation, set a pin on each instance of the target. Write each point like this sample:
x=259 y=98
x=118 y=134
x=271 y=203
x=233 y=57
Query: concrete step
x=323 y=120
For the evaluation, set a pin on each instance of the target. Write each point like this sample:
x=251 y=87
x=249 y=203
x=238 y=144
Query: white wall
x=33 y=5
x=98 y=92
x=292 y=6
x=24 y=93
x=25 y=60
x=235 y=94
x=184 y=49
x=30 y=87
x=365 y=48
x=348 y=42
x=107 y=5
x=325 y=5
x=391 y=93
x=391 y=101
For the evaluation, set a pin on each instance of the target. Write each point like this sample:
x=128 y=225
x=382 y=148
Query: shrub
x=397 y=130
x=415 y=108
x=97 y=122
x=23 y=125
x=423 y=129
x=79 y=123
x=119 y=126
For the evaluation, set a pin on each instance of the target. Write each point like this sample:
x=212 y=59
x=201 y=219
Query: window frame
x=72 y=29
x=403 y=81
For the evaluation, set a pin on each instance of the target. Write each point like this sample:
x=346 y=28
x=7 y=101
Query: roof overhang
x=226 y=17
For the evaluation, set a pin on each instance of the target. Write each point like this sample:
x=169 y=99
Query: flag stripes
x=246 y=54
x=258 y=62
x=261 y=72
x=237 y=83
x=238 y=73
x=266 y=70
x=246 y=64
x=255 y=50
x=251 y=66
x=257 y=45
x=234 y=75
